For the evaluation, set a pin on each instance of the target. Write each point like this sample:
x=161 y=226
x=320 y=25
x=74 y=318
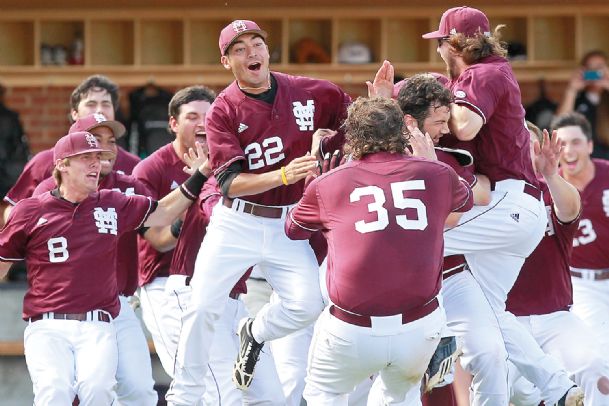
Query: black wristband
x=175 y=228
x=192 y=186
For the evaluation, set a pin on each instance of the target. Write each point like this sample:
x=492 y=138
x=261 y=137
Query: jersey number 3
x=399 y=202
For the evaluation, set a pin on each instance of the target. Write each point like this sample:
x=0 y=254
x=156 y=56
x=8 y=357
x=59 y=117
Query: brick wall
x=45 y=111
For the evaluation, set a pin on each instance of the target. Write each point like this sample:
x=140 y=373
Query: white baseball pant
x=66 y=358
x=234 y=242
x=219 y=388
x=591 y=304
x=134 y=372
x=343 y=355
x=569 y=340
x=153 y=301
x=496 y=239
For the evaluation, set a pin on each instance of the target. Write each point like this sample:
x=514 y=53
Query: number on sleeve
x=58 y=249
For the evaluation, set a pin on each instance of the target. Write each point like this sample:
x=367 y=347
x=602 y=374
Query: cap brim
x=262 y=33
x=117 y=128
x=106 y=153
x=434 y=35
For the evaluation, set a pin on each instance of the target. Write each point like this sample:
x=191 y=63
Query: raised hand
x=421 y=144
x=547 y=155
x=197 y=159
x=383 y=82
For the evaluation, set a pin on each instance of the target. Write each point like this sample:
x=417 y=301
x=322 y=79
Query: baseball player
x=134 y=371
x=260 y=131
x=69 y=237
x=386 y=203
x=162 y=172
x=590 y=259
x=542 y=294
x=96 y=94
x=496 y=239
x=220 y=389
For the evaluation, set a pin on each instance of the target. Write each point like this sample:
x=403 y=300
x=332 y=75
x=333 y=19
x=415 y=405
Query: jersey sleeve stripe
x=10 y=201
x=5 y=259
x=147 y=213
x=474 y=107
x=300 y=225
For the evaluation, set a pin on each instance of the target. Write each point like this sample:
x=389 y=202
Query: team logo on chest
x=106 y=220
x=304 y=115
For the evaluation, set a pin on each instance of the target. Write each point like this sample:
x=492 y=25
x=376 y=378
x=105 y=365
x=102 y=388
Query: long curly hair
x=374 y=125
x=472 y=49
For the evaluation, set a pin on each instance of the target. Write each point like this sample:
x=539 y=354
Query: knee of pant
x=136 y=390
x=304 y=311
x=94 y=389
x=487 y=355
x=54 y=388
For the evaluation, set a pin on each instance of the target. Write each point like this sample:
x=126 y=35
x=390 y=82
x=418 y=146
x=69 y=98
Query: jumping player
x=385 y=201
x=259 y=130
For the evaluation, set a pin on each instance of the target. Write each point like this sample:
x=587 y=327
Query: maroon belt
x=598 y=275
x=256 y=210
x=232 y=294
x=453 y=271
x=365 y=321
x=101 y=316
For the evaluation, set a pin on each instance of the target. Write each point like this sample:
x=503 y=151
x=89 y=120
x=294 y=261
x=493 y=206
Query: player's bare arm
x=482 y=190
x=161 y=238
x=382 y=86
x=567 y=201
x=4 y=267
x=246 y=184
x=464 y=123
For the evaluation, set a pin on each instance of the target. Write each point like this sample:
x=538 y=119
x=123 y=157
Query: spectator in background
x=588 y=94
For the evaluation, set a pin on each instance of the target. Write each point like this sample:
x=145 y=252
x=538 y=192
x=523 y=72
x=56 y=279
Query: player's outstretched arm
x=246 y=184
x=161 y=238
x=464 y=123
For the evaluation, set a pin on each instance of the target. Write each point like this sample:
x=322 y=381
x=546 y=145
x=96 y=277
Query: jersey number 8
x=58 y=249
x=399 y=201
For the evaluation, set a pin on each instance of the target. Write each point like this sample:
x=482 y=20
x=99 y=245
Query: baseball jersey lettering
x=105 y=220
x=275 y=133
x=591 y=241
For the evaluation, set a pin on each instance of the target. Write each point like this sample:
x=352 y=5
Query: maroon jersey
x=590 y=245
x=501 y=148
x=383 y=217
x=544 y=283
x=40 y=167
x=466 y=172
x=192 y=234
x=70 y=249
x=266 y=137
x=126 y=260
x=161 y=172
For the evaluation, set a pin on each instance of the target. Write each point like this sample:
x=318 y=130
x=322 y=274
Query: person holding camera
x=588 y=93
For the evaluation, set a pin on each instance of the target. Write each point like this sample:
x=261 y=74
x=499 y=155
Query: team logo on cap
x=453 y=31
x=239 y=26
x=460 y=94
x=91 y=140
x=99 y=117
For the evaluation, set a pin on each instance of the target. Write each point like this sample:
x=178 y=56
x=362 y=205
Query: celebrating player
x=135 y=385
x=542 y=294
x=161 y=173
x=386 y=203
x=496 y=240
x=69 y=238
x=259 y=130
x=96 y=94
x=590 y=259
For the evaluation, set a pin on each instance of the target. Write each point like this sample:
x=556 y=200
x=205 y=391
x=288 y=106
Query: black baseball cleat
x=573 y=397
x=249 y=353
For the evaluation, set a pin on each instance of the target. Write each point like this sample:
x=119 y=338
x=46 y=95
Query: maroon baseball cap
x=96 y=120
x=461 y=20
x=76 y=143
x=234 y=30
